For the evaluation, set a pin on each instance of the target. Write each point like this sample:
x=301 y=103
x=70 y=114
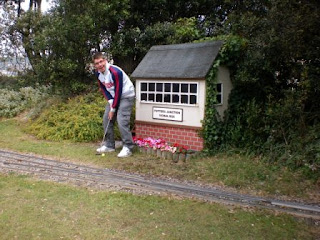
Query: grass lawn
x=246 y=174
x=31 y=209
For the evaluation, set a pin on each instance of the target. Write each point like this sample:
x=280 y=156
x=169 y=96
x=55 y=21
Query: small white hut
x=171 y=91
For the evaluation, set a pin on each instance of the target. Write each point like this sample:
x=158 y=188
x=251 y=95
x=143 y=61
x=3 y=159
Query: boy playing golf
x=119 y=91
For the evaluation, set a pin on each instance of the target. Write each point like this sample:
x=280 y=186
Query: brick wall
x=174 y=134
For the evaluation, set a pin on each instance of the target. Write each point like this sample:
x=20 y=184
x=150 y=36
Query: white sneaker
x=105 y=149
x=125 y=152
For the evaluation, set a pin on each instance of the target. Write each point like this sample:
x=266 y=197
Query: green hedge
x=79 y=120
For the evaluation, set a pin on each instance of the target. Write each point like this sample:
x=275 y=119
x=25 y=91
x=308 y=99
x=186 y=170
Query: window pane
x=173 y=92
x=193 y=99
x=184 y=98
x=176 y=87
x=143 y=97
x=167 y=98
x=219 y=88
x=167 y=87
x=159 y=87
x=151 y=97
x=193 y=88
x=184 y=88
x=175 y=98
x=151 y=87
x=219 y=99
x=143 y=86
x=159 y=98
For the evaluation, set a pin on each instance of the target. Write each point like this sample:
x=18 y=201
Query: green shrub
x=277 y=130
x=291 y=140
x=281 y=127
x=213 y=130
x=79 y=120
x=14 y=102
x=8 y=81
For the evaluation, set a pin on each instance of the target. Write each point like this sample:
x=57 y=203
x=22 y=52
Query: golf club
x=104 y=136
x=105 y=133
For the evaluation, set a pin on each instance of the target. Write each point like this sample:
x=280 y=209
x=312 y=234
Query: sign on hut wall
x=170 y=114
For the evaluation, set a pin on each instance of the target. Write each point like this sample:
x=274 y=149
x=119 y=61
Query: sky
x=45 y=5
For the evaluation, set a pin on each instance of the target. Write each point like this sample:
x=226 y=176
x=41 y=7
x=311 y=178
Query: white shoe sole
x=123 y=156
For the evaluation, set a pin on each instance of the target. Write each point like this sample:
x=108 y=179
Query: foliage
x=9 y=47
x=213 y=125
x=291 y=140
x=60 y=42
x=210 y=131
x=8 y=82
x=140 y=42
x=273 y=109
x=14 y=102
x=57 y=53
x=270 y=46
x=78 y=120
x=174 y=22
x=142 y=39
x=274 y=106
x=186 y=30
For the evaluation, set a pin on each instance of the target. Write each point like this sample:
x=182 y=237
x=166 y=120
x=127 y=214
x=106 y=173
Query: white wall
x=192 y=115
x=224 y=78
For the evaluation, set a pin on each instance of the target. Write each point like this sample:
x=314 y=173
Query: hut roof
x=189 y=60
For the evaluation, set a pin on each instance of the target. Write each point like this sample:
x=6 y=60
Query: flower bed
x=161 y=148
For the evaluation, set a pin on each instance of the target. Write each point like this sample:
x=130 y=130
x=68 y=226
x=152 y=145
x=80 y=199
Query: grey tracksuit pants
x=123 y=119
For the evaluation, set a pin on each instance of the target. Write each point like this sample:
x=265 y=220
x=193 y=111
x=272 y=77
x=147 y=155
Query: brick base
x=174 y=134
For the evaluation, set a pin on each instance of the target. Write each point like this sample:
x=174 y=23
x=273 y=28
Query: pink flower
x=159 y=144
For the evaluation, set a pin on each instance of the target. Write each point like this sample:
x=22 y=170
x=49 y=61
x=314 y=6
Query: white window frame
x=171 y=93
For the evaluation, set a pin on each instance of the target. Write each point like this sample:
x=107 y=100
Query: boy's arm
x=117 y=77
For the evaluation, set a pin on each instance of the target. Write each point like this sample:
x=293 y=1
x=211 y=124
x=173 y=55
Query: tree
x=33 y=5
x=11 y=49
x=284 y=48
x=275 y=102
x=14 y=44
x=59 y=43
x=151 y=22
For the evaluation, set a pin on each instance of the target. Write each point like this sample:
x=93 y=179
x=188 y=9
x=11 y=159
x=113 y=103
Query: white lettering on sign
x=167 y=114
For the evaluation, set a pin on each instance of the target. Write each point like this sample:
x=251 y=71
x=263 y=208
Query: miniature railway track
x=110 y=179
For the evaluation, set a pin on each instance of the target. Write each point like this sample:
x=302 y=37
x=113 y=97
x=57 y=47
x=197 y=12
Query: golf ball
x=102 y=154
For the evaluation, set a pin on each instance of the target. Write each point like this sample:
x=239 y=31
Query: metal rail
x=105 y=179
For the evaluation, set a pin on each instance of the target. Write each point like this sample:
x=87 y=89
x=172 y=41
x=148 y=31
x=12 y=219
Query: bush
x=79 y=120
x=7 y=81
x=277 y=130
x=292 y=141
x=278 y=124
x=14 y=102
